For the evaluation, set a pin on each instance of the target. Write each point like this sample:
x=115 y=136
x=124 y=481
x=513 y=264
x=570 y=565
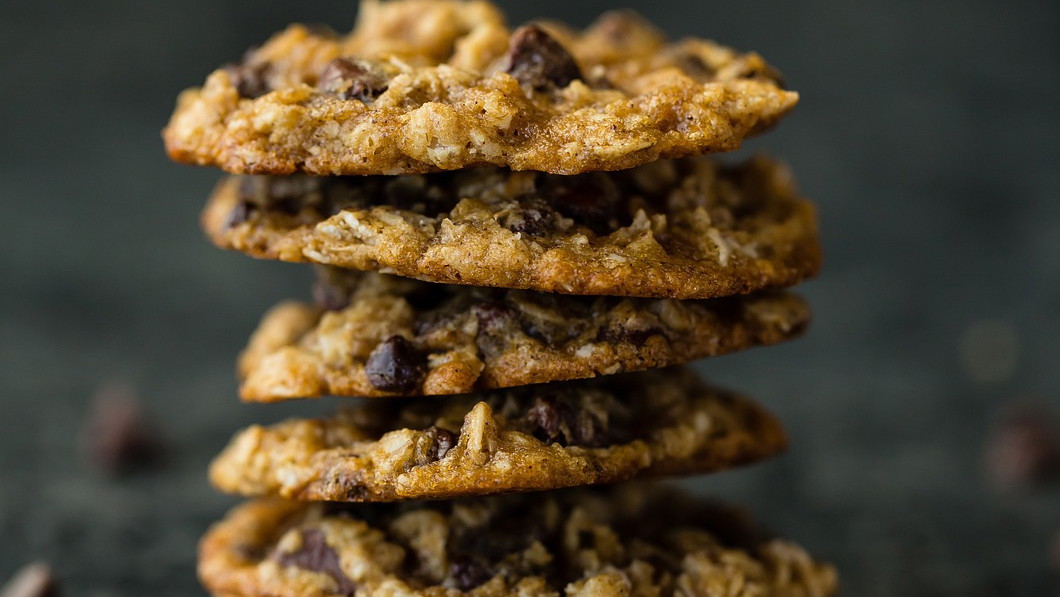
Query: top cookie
x=429 y=85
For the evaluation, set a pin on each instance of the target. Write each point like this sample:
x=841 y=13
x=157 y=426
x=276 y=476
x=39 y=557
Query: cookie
x=663 y=422
x=625 y=540
x=427 y=85
x=692 y=228
x=377 y=335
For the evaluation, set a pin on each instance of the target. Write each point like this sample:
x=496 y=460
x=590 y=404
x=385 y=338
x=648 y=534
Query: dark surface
x=926 y=132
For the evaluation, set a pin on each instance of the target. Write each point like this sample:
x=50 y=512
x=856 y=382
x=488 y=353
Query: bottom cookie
x=620 y=541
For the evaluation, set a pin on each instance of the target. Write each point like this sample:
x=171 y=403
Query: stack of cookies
x=518 y=244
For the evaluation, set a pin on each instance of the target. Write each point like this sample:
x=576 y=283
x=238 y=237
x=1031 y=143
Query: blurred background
x=927 y=132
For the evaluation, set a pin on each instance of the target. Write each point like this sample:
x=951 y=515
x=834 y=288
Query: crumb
x=117 y=435
x=1024 y=449
x=32 y=580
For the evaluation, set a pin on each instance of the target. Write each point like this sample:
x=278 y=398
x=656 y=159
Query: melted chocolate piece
x=533 y=216
x=250 y=78
x=430 y=196
x=353 y=80
x=538 y=61
x=396 y=365
x=330 y=297
x=493 y=316
x=317 y=556
x=444 y=440
x=636 y=337
x=468 y=571
x=591 y=200
x=695 y=67
x=555 y=420
x=242 y=212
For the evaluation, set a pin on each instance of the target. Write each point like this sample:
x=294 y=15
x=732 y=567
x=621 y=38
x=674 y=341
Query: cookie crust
x=663 y=422
x=632 y=541
x=684 y=229
x=445 y=85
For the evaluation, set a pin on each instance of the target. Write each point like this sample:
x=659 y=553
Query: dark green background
x=927 y=132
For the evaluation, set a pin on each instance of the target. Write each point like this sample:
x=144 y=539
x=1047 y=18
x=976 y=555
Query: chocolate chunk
x=546 y=416
x=330 y=296
x=636 y=337
x=241 y=213
x=493 y=318
x=468 y=571
x=695 y=67
x=317 y=556
x=285 y=194
x=555 y=420
x=444 y=440
x=1024 y=450
x=413 y=193
x=533 y=216
x=591 y=200
x=353 y=80
x=250 y=77
x=587 y=430
x=32 y=580
x=117 y=436
x=538 y=61
x=426 y=297
x=396 y=366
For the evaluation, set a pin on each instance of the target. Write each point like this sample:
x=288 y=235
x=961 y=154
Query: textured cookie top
x=427 y=85
x=626 y=541
x=662 y=422
x=378 y=335
x=690 y=228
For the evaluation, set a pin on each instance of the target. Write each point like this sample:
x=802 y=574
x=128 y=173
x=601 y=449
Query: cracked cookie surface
x=377 y=335
x=662 y=422
x=691 y=228
x=429 y=85
x=623 y=541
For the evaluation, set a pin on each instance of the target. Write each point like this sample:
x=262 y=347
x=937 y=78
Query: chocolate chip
x=533 y=216
x=591 y=200
x=317 y=556
x=250 y=77
x=426 y=297
x=695 y=67
x=32 y=580
x=493 y=318
x=330 y=296
x=538 y=61
x=491 y=314
x=444 y=440
x=413 y=193
x=636 y=337
x=396 y=366
x=117 y=436
x=468 y=571
x=285 y=194
x=554 y=419
x=545 y=415
x=241 y=213
x=353 y=80
x=587 y=430
x=1024 y=450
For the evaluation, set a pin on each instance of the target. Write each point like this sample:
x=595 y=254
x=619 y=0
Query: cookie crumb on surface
x=117 y=435
x=32 y=580
x=1024 y=448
